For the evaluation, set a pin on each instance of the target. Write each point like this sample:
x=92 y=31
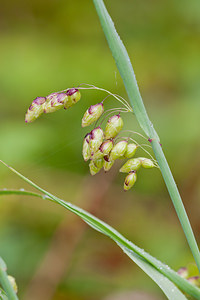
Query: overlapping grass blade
x=165 y=277
x=125 y=68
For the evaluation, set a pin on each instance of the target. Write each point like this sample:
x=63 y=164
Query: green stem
x=176 y=199
x=5 y=283
x=126 y=71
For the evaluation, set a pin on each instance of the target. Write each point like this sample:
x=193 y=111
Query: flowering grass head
x=100 y=147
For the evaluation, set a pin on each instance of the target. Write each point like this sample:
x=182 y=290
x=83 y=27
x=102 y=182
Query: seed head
x=35 y=109
x=96 y=139
x=113 y=126
x=118 y=150
x=107 y=163
x=92 y=114
x=86 y=148
x=130 y=151
x=130 y=181
x=73 y=96
x=132 y=164
x=146 y=162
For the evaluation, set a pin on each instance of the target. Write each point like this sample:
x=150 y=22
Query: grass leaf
x=163 y=276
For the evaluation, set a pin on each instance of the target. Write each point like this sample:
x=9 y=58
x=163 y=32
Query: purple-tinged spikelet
x=130 y=181
x=92 y=114
x=35 y=109
x=73 y=96
x=54 y=102
x=96 y=139
x=107 y=163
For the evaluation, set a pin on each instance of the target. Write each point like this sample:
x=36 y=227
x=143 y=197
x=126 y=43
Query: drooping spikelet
x=92 y=114
x=35 y=109
x=113 y=126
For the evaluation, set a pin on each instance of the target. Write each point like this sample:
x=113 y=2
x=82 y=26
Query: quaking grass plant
x=102 y=148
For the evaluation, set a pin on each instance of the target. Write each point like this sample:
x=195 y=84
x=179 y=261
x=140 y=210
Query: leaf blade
x=151 y=266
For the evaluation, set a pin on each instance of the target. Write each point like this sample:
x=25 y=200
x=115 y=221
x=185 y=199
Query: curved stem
x=135 y=132
x=153 y=159
x=117 y=97
x=110 y=112
x=126 y=70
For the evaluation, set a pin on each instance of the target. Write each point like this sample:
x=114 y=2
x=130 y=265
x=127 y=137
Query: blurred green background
x=48 y=46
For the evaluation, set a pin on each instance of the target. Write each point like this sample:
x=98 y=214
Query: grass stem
x=125 y=68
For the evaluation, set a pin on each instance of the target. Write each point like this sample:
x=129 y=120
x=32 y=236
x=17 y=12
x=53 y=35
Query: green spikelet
x=118 y=150
x=132 y=164
x=96 y=139
x=113 y=126
x=73 y=96
x=130 y=181
x=35 y=109
x=92 y=114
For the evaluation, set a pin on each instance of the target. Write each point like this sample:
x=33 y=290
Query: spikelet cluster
x=52 y=103
x=101 y=148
